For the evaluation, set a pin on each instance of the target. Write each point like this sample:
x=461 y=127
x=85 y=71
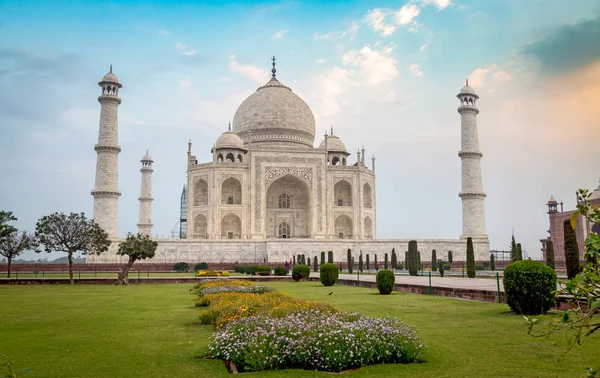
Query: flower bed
x=218 y=282
x=316 y=340
x=212 y=273
x=263 y=329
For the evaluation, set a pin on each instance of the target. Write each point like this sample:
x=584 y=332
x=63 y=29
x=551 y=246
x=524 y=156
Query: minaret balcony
x=476 y=154
x=99 y=148
x=467 y=109
x=109 y=98
x=472 y=195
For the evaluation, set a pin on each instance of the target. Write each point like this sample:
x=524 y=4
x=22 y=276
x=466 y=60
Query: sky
x=384 y=74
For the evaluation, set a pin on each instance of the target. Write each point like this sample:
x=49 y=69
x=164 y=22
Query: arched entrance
x=288 y=208
x=231 y=227
x=343 y=227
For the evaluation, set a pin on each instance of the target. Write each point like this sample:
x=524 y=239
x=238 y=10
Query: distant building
x=557 y=218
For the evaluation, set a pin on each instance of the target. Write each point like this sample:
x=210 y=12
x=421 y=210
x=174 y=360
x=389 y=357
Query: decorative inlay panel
x=272 y=173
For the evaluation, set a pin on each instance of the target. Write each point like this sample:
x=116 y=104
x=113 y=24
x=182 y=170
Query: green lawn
x=149 y=331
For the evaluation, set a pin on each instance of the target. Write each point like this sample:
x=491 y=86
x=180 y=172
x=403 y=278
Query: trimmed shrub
x=571 y=250
x=413 y=258
x=181 y=267
x=519 y=251
x=450 y=257
x=550 y=254
x=529 y=287
x=360 y=263
x=376 y=264
x=322 y=257
x=406 y=259
x=300 y=272
x=367 y=261
x=385 y=281
x=315 y=265
x=350 y=261
x=294 y=261
x=479 y=267
x=446 y=266
x=329 y=274
x=385 y=263
x=399 y=266
x=514 y=254
x=330 y=257
x=440 y=265
x=281 y=271
x=303 y=260
x=492 y=262
x=470 y=258
x=434 y=260
x=201 y=266
x=308 y=261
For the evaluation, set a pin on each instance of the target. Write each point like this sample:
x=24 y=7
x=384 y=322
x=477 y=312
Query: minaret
x=145 y=218
x=472 y=195
x=106 y=191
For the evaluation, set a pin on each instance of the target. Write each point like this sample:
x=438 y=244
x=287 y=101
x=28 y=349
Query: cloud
x=251 y=72
x=489 y=75
x=376 y=18
x=440 y=4
x=415 y=70
x=334 y=36
x=164 y=32
x=425 y=45
x=280 y=34
x=373 y=67
x=568 y=47
x=183 y=48
x=320 y=61
x=406 y=14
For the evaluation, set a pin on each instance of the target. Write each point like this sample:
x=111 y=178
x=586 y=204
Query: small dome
x=467 y=90
x=110 y=78
x=552 y=200
x=595 y=194
x=229 y=139
x=333 y=144
x=147 y=157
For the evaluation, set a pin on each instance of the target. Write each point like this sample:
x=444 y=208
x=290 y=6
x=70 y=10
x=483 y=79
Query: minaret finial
x=331 y=130
x=273 y=70
x=467 y=81
x=111 y=68
x=229 y=125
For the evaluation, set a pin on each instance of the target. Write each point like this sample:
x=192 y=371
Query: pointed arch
x=343 y=227
x=200 y=230
x=231 y=192
x=231 y=227
x=367 y=196
x=342 y=192
x=294 y=196
x=200 y=193
x=335 y=160
x=230 y=158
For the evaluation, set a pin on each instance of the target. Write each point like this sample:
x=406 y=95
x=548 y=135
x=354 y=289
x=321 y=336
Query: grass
x=150 y=331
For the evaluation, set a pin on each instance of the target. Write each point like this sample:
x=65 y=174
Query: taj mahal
x=269 y=194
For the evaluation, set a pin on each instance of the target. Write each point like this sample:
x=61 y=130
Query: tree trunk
x=124 y=274
x=8 y=269
x=71 y=280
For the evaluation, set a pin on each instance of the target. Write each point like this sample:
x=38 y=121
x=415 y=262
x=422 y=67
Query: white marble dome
x=229 y=139
x=595 y=194
x=110 y=78
x=276 y=116
x=467 y=90
x=334 y=144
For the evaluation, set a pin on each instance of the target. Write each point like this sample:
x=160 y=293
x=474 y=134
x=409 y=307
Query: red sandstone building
x=557 y=218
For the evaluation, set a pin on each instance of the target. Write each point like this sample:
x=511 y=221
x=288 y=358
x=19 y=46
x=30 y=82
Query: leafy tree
x=413 y=258
x=450 y=259
x=350 y=261
x=440 y=264
x=367 y=262
x=5 y=228
x=550 y=254
x=330 y=257
x=514 y=254
x=492 y=262
x=394 y=259
x=434 y=260
x=322 y=257
x=376 y=264
x=71 y=233
x=385 y=262
x=137 y=247
x=519 y=251
x=470 y=258
x=15 y=243
x=360 y=263
x=571 y=250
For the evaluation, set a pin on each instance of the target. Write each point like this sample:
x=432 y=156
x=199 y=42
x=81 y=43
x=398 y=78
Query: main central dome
x=275 y=116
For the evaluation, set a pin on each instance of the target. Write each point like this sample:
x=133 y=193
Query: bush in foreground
x=316 y=341
x=181 y=267
x=281 y=271
x=201 y=266
x=529 y=287
x=329 y=274
x=385 y=281
x=300 y=272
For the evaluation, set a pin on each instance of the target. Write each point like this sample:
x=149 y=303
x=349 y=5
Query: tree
x=330 y=257
x=550 y=254
x=571 y=250
x=308 y=261
x=137 y=247
x=406 y=260
x=413 y=258
x=376 y=264
x=367 y=262
x=470 y=258
x=350 y=261
x=492 y=262
x=385 y=262
x=519 y=252
x=440 y=264
x=316 y=263
x=15 y=243
x=514 y=254
x=450 y=259
x=71 y=233
x=5 y=228
x=360 y=263
x=433 y=260
x=322 y=257
x=394 y=259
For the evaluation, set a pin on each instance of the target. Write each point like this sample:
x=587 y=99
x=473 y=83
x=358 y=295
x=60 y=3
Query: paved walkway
x=452 y=282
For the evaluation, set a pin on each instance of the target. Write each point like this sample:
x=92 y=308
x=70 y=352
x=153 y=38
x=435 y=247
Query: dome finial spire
x=111 y=68
x=273 y=70
x=467 y=82
x=229 y=126
x=331 y=130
